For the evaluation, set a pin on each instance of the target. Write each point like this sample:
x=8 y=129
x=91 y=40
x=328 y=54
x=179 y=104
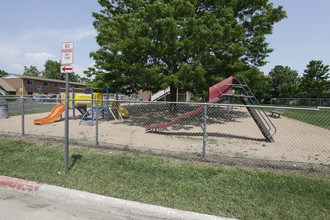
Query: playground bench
x=278 y=111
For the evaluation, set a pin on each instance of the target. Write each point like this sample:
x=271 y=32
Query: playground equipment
x=80 y=101
x=53 y=116
x=225 y=88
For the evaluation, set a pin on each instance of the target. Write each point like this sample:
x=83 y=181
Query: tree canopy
x=284 y=82
x=314 y=81
x=31 y=71
x=53 y=71
x=189 y=44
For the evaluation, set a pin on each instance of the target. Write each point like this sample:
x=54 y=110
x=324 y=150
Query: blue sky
x=32 y=31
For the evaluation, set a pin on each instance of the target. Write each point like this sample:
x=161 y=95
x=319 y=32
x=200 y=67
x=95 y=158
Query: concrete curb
x=135 y=210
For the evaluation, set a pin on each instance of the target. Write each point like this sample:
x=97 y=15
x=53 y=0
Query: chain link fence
x=190 y=130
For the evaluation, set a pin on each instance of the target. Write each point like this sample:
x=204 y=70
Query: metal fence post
x=204 y=131
x=97 y=125
x=22 y=116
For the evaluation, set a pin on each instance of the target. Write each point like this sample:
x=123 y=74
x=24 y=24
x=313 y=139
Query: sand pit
x=239 y=137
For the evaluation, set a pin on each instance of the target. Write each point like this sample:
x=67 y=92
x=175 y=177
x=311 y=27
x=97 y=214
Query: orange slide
x=53 y=116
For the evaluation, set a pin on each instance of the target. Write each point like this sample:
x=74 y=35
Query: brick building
x=31 y=85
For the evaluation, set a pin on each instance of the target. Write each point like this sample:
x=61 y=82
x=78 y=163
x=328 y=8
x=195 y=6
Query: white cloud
x=80 y=69
x=74 y=34
x=37 y=45
x=37 y=59
x=9 y=55
x=80 y=34
x=8 y=52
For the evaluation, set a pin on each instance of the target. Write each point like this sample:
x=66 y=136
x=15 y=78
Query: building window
x=30 y=82
x=57 y=85
x=30 y=93
x=45 y=83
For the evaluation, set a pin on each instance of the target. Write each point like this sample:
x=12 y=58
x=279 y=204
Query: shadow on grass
x=75 y=157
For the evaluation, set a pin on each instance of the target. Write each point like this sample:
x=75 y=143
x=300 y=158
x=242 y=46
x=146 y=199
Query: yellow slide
x=53 y=116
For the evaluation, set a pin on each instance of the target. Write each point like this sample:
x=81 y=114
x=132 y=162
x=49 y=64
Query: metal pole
x=66 y=141
x=117 y=111
x=204 y=131
x=73 y=105
x=107 y=104
x=22 y=116
x=92 y=101
x=97 y=124
x=59 y=91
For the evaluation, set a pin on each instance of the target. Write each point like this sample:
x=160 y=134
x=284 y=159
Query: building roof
x=12 y=75
x=6 y=86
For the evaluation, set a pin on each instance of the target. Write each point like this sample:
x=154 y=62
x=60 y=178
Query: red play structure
x=225 y=88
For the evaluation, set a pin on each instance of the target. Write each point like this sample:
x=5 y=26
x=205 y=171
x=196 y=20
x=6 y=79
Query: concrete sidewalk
x=133 y=209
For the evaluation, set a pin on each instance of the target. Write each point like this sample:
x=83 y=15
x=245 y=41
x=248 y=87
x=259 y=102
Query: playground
x=243 y=131
x=240 y=137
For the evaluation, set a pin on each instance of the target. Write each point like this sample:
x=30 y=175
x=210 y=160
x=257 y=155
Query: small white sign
x=66 y=69
x=67 y=53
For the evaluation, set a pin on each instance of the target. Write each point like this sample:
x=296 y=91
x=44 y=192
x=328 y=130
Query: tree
x=53 y=71
x=314 y=81
x=188 y=44
x=3 y=73
x=258 y=83
x=31 y=71
x=284 y=82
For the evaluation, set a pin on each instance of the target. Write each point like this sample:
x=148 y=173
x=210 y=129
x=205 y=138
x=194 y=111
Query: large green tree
x=314 y=81
x=284 y=82
x=189 y=44
x=31 y=71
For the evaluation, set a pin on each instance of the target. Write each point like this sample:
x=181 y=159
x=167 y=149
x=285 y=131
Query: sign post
x=66 y=67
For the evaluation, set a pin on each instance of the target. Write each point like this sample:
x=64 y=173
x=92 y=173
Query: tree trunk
x=173 y=91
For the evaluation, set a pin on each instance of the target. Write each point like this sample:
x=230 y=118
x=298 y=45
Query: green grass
x=32 y=110
x=319 y=118
x=238 y=193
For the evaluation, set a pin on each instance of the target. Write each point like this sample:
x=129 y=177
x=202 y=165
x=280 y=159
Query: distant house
x=6 y=88
x=164 y=95
x=30 y=85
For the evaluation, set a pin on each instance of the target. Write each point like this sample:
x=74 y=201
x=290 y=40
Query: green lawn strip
x=319 y=118
x=238 y=193
x=32 y=110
